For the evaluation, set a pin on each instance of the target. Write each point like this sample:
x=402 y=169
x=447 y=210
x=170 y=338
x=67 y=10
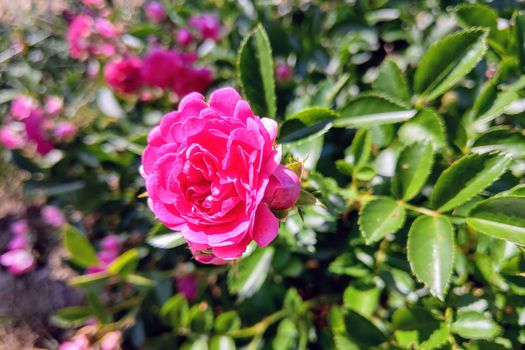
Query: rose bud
x=155 y=11
x=283 y=189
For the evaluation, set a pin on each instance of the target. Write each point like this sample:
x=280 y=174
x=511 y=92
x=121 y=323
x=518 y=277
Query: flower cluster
x=110 y=341
x=30 y=124
x=19 y=258
x=212 y=172
x=92 y=37
x=109 y=252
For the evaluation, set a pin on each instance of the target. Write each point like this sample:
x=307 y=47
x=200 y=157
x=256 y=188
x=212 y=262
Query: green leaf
x=167 y=241
x=479 y=15
x=500 y=217
x=251 y=273
x=498 y=103
x=362 y=331
x=255 y=69
x=78 y=246
x=71 y=317
x=200 y=318
x=309 y=123
x=89 y=280
x=417 y=328
x=501 y=139
x=371 y=110
x=379 y=217
x=362 y=297
x=391 y=81
x=430 y=251
x=125 y=264
x=425 y=126
x=447 y=61
x=100 y=310
x=227 y=322
x=467 y=177
x=222 y=342
x=175 y=311
x=475 y=325
x=519 y=38
x=359 y=151
x=413 y=167
x=287 y=336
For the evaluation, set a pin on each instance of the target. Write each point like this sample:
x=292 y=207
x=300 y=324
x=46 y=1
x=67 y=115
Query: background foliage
x=408 y=117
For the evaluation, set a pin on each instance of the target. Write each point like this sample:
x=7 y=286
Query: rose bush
x=262 y=175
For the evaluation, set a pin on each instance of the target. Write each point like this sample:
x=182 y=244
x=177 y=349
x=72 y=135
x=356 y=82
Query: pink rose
x=160 y=67
x=207 y=25
x=64 y=131
x=79 y=342
x=78 y=36
x=18 y=261
x=53 y=105
x=192 y=80
x=124 y=75
x=283 y=72
x=155 y=11
x=34 y=125
x=206 y=168
x=111 y=341
x=22 y=107
x=183 y=37
x=53 y=216
x=105 y=28
x=187 y=286
x=11 y=137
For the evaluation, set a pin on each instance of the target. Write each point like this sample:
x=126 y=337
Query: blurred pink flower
x=22 y=107
x=79 y=342
x=53 y=216
x=111 y=341
x=187 y=286
x=18 y=242
x=77 y=36
x=53 y=105
x=109 y=252
x=105 y=28
x=183 y=37
x=18 y=261
x=124 y=75
x=207 y=25
x=155 y=11
x=283 y=72
x=19 y=227
x=35 y=132
x=64 y=130
x=11 y=137
x=111 y=243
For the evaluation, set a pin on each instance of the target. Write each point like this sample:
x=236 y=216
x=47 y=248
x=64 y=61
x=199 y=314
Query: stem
x=420 y=210
x=259 y=328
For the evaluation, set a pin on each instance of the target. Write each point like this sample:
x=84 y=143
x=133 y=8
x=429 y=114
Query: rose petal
x=265 y=226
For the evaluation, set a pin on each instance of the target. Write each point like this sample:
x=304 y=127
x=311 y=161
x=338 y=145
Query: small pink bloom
x=19 y=227
x=187 y=286
x=111 y=341
x=283 y=189
x=283 y=72
x=183 y=37
x=18 y=261
x=64 y=131
x=111 y=243
x=18 y=242
x=53 y=105
x=124 y=75
x=105 y=28
x=94 y=3
x=53 y=216
x=11 y=137
x=78 y=36
x=155 y=11
x=207 y=25
x=34 y=125
x=207 y=167
x=161 y=67
x=79 y=342
x=22 y=107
